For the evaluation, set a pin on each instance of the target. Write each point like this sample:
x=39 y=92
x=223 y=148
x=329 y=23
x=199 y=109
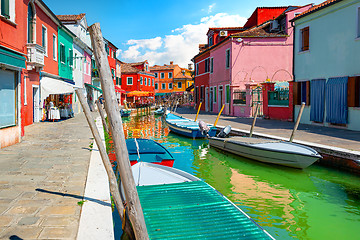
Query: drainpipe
x=293 y=64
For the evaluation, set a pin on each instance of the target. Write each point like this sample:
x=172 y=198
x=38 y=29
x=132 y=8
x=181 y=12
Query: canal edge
x=96 y=220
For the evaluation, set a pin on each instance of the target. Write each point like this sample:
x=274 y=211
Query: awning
x=162 y=94
x=12 y=58
x=138 y=94
x=92 y=86
x=117 y=89
x=54 y=86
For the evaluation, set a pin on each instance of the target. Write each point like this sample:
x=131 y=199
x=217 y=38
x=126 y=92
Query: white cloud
x=180 y=46
x=211 y=7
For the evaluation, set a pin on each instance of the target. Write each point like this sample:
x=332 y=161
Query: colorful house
x=164 y=78
x=230 y=72
x=182 y=80
x=326 y=64
x=77 y=24
x=135 y=78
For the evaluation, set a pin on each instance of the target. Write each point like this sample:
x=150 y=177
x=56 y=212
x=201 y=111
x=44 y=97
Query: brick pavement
x=43 y=178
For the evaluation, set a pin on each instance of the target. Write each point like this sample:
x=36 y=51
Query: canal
x=314 y=203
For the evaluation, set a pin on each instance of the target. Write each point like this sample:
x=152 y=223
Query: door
x=256 y=98
x=220 y=98
x=206 y=99
x=36 y=104
x=211 y=98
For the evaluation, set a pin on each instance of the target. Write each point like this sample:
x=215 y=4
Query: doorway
x=220 y=98
x=36 y=104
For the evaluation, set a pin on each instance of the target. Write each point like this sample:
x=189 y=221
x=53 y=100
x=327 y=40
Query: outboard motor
x=224 y=132
x=204 y=128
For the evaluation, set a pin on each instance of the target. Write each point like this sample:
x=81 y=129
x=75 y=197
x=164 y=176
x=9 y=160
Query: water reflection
x=315 y=203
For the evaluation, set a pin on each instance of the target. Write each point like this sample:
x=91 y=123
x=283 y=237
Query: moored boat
x=159 y=111
x=146 y=150
x=270 y=151
x=179 y=205
x=188 y=127
x=125 y=112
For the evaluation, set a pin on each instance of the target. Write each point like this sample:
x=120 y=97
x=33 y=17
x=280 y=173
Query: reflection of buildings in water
x=264 y=200
x=145 y=127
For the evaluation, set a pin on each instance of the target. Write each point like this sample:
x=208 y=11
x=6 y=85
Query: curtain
x=336 y=100
x=317 y=98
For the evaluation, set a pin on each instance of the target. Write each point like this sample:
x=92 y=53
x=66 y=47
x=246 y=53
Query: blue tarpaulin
x=336 y=100
x=317 y=99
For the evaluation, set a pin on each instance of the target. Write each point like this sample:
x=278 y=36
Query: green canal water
x=314 y=203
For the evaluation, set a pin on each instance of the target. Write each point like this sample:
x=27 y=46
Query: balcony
x=35 y=56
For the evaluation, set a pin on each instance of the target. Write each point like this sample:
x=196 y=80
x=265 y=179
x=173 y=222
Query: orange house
x=164 y=78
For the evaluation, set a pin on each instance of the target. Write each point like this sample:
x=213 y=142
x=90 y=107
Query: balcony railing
x=35 y=55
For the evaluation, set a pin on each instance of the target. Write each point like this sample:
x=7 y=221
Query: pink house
x=240 y=64
x=87 y=68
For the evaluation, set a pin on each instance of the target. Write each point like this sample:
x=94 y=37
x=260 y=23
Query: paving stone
x=5 y=220
x=55 y=221
x=59 y=210
x=27 y=195
x=9 y=193
x=28 y=220
x=22 y=210
x=58 y=232
x=32 y=202
x=21 y=232
x=3 y=208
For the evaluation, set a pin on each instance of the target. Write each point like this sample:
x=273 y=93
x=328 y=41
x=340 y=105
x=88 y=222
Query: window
x=129 y=81
x=211 y=41
x=141 y=80
x=163 y=86
x=239 y=97
x=107 y=48
x=170 y=86
x=44 y=39
x=149 y=81
x=227 y=96
x=170 y=75
x=54 y=47
x=118 y=81
x=152 y=81
x=179 y=85
x=207 y=65
x=358 y=22
x=114 y=54
x=71 y=57
x=201 y=93
x=197 y=69
x=304 y=39
x=75 y=60
x=156 y=86
x=211 y=65
x=227 y=58
x=156 y=75
x=215 y=94
x=162 y=75
x=8 y=98
x=113 y=73
x=25 y=92
x=62 y=53
x=145 y=81
x=5 y=8
x=30 y=23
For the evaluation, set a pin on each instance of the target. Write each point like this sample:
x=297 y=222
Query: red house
x=28 y=45
x=137 y=77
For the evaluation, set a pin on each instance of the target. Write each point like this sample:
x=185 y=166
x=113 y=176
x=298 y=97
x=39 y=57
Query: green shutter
x=5 y=8
x=227 y=94
x=215 y=94
x=71 y=58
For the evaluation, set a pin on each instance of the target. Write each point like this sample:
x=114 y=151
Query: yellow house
x=183 y=80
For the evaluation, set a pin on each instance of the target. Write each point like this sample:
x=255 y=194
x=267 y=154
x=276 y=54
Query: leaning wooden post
x=135 y=212
x=102 y=115
x=297 y=122
x=217 y=119
x=114 y=187
x=254 y=120
x=197 y=114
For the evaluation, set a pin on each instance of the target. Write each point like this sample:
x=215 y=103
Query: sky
x=162 y=31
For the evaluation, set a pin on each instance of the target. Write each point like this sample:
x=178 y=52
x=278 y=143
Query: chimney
x=190 y=66
x=171 y=62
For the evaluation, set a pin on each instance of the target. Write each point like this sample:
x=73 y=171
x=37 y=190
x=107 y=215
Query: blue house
x=327 y=64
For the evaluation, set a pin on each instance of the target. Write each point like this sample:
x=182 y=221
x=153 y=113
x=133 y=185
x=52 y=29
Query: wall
x=333 y=51
x=202 y=79
x=65 y=70
x=87 y=68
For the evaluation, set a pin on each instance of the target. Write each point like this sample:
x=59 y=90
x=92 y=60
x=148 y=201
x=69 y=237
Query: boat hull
x=191 y=133
x=274 y=156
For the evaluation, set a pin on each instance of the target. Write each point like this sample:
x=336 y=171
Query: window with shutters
x=162 y=75
x=62 y=53
x=170 y=86
x=71 y=58
x=129 y=81
x=163 y=86
x=54 y=47
x=304 y=34
x=227 y=58
x=145 y=81
x=211 y=65
x=30 y=23
x=156 y=86
x=44 y=42
x=170 y=75
x=141 y=80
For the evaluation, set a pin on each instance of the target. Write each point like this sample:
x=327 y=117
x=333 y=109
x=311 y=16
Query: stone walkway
x=42 y=179
x=333 y=137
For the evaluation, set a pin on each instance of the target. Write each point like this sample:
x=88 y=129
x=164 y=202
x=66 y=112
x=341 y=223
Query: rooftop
x=70 y=17
x=316 y=8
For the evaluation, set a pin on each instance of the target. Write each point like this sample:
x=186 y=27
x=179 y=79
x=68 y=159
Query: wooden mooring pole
x=297 y=122
x=102 y=115
x=197 y=114
x=135 y=212
x=114 y=187
x=217 y=119
x=254 y=120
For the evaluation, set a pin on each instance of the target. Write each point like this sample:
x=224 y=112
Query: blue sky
x=162 y=31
